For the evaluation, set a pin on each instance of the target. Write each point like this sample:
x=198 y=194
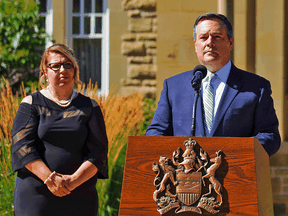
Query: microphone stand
x=196 y=96
x=199 y=72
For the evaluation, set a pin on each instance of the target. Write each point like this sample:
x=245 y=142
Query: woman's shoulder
x=29 y=99
x=94 y=103
x=87 y=100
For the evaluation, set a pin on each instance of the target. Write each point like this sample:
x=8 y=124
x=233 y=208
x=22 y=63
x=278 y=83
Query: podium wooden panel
x=244 y=175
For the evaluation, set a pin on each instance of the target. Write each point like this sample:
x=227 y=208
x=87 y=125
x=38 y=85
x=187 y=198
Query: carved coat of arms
x=179 y=181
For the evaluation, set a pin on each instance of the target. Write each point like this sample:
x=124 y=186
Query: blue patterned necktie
x=208 y=100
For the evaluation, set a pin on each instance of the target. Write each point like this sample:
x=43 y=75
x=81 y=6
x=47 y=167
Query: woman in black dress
x=59 y=143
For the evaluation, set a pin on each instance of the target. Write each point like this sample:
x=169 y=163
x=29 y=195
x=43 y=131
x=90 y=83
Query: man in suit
x=241 y=105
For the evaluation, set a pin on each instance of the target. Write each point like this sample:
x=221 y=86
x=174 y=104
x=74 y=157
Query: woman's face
x=60 y=71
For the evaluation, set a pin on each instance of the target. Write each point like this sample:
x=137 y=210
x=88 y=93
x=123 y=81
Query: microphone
x=199 y=72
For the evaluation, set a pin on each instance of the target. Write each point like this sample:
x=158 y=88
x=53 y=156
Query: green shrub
x=22 y=39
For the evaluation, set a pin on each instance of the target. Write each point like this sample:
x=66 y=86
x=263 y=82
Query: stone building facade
x=279 y=180
x=139 y=45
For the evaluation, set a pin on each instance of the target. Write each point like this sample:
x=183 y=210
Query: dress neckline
x=53 y=102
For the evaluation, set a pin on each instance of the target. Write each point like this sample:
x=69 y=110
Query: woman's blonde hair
x=60 y=49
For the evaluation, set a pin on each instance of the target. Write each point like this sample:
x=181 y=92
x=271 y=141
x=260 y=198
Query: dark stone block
x=279 y=209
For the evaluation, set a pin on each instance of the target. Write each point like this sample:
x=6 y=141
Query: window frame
x=48 y=22
x=104 y=35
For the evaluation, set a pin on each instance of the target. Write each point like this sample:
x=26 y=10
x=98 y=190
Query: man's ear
x=231 y=43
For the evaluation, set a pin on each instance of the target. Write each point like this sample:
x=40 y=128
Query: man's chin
x=211 y=57
x=209 y=61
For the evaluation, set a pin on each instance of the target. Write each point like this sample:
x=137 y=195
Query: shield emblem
x=189 y=188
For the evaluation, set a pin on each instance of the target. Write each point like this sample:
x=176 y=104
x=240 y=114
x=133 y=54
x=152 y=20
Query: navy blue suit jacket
x=245 y=110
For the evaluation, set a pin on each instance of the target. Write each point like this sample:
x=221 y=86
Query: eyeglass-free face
x=57 y=66
x=212 y=44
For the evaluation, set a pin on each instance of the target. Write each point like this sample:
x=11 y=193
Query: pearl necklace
x=63 y=103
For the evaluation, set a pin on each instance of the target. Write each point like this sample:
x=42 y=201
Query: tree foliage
x=22 y=38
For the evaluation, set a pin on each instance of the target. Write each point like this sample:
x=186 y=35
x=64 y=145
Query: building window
x=88 y=34
x=46 y=17
x=43 y=12
x=88 y=53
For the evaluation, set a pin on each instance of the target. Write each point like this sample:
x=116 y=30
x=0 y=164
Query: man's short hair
x=209 y=16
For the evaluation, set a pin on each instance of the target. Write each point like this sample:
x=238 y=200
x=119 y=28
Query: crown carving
x=189 y=144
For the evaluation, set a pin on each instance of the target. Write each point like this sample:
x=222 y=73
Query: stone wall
x=279 y=180
x=139 y=45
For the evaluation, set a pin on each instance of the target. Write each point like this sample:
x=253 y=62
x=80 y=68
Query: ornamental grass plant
x=8 y=107
x=123 y=116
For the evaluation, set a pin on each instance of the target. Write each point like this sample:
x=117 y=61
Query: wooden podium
x=244 y=174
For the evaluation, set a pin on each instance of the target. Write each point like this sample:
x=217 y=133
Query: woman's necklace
x=63 y=103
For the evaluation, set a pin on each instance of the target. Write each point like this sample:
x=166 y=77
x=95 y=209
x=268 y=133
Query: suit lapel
x=231 y=89
x=199 y=130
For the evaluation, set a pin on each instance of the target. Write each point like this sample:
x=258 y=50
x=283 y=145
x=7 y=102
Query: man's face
x=212 y=45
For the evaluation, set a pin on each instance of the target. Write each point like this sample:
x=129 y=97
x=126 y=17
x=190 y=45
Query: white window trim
x=49 y=23
x=105 y=50
x=104 y=36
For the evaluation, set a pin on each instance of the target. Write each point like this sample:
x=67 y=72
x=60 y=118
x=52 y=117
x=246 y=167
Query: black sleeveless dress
x=63 y=137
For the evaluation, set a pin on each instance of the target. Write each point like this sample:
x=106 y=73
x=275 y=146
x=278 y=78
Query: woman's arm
x=54 y=181
x=86 y=171
x=39 y=168
x=24 y=151
x=95 y=159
